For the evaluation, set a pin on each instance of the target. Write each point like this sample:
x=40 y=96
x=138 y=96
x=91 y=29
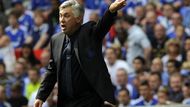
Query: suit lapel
x=60 y=48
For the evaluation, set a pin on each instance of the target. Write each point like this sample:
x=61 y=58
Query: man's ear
x=79 y=19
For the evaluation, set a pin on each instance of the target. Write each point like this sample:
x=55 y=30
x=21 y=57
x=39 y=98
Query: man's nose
x=62 y=20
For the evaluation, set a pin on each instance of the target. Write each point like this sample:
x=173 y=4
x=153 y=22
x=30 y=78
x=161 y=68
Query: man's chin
x=65 y=32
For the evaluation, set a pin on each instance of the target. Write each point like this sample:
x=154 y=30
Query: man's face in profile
x=68 y=21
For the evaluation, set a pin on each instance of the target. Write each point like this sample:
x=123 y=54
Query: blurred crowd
x=147 y=50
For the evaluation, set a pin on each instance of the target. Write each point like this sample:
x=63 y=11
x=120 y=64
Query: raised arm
x=107 y=20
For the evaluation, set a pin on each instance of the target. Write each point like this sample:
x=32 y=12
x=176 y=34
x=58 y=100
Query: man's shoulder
x=56 y=36
x=89 y=24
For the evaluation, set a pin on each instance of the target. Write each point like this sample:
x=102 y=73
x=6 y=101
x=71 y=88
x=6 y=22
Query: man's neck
x=112 y=63
x=14 y=26
x=148 y=99
x=74 y=31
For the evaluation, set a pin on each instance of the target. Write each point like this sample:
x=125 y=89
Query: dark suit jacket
x=88 y=49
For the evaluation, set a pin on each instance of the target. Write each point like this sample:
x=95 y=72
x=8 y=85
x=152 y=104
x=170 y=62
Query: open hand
x=38 y=103
x=116 y=5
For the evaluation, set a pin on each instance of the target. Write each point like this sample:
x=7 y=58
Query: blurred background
x=147 y=50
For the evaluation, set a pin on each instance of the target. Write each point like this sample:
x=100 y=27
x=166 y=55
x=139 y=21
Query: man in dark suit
x=76 y=61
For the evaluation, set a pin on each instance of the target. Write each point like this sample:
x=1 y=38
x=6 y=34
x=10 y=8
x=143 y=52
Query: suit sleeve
x=103 y=26
x=49 y=79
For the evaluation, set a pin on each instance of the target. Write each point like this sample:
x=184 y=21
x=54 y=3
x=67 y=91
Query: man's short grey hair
x=78 y=9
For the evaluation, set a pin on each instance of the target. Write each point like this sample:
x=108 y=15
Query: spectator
x=139 y=14
x=157 y=67
x=139 y=64
x=185 y=9
x=150 y=7
x=163 y=94
x=27 y=53
x=165 y=19
x=173 y=66
x=176 y=20
x=118 y=51
x=44 y=60
x=34 y=82
x=148 y=24
x=122 y=82
x=119 y=38
x=186 y=92
x=19 y=71
x=3 y=101
x=19 y=75
x=53 y=18
x=172 y=52
x=17 y=99
x=146 y=98
x=154 y=82
x=14 y=31
x=114 y=64
x=25 y=17
x=144 y=76
x=24 y=62
x=138 y=43
x=123 y=98
x=158 y=41
x=140 y=70
x=7 y=53
x=185 y=70
x=175 y=92
x=180 y=34
x=39 y=34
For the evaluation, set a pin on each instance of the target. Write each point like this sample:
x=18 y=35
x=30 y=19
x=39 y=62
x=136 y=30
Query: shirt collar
x=148 y=103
